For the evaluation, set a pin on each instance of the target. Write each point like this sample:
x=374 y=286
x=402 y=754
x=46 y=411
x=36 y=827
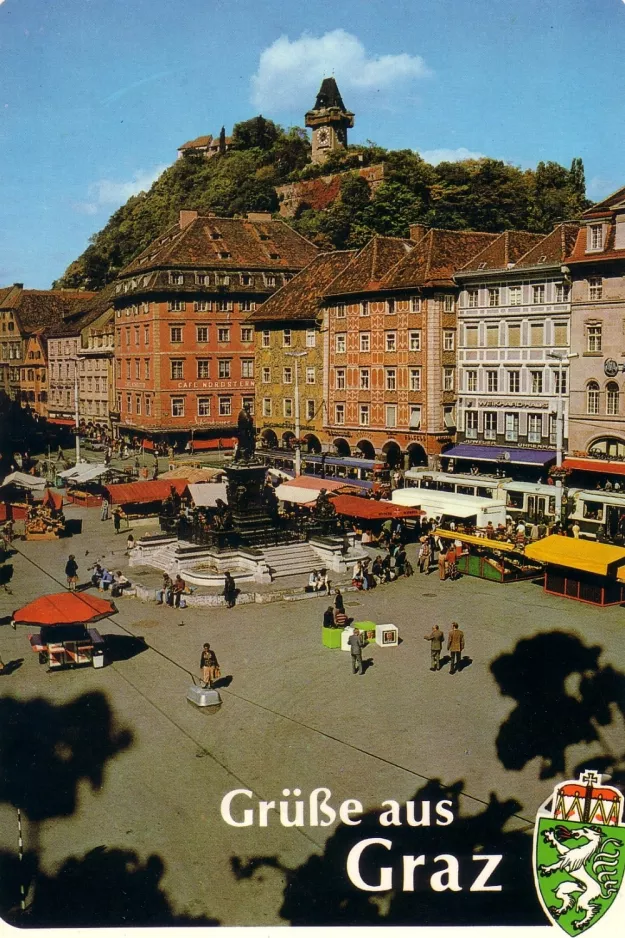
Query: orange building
x=34 y=375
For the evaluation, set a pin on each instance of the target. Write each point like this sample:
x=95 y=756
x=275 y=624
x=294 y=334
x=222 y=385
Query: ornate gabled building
x=329 y=120
x=290 y=356
x=184 y=350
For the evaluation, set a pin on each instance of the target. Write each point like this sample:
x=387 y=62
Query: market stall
x=64 y=640
x=45 y=521
x=490 y=559
x=583 y=570
x=146 y=501
x=84 y=482
x=18 y=492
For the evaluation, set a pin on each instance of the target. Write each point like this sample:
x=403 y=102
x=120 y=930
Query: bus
x=593 y=510
x=450 y=506
x=368 y=474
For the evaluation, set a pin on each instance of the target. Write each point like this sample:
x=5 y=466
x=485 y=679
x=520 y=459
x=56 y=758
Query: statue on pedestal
x=246 y=445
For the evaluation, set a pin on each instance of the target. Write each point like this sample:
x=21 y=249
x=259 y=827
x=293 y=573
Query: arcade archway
x=288 y=439
x=312 y=444
x=416 y=455
x=392 y=453
x=341 y=447
x=269 y=439
x=367 y=449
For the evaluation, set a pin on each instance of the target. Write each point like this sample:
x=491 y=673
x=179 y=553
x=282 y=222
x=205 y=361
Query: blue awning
x=500 y=454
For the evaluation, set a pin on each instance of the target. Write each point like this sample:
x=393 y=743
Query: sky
x=97 y=95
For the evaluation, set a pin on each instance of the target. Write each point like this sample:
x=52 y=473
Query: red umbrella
x=64 y=609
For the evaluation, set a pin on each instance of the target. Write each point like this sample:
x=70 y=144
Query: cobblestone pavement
x=292 y=717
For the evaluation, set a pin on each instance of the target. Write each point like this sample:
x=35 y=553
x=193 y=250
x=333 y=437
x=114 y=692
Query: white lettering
x=348 y=808
x=298 y=820
x=491 y=861
x=264 y=807
x=410 y=864
x=443 y=810
x=447 y=878
x=425 y=814
x=390 y=817
x=315 y=806
x=226 y=801
x=353 y=866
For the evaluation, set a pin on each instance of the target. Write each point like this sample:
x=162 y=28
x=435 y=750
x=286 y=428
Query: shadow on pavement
x=123 y=647
x=11 y=666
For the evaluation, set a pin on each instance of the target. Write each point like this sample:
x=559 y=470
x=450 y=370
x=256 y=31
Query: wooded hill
x=484 y=195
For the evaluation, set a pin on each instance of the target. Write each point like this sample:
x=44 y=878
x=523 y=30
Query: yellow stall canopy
x=601 y=559
x=486 y=542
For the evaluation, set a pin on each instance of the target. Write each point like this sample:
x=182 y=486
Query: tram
x=368 y=474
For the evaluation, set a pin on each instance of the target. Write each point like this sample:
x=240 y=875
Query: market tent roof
x=354 y=506
x=25 y=481
x=64 y=609
x=604 y=466
x=487 y=542
x=137 y=493
x=446 y=503
x=303 y=490
x=53 y=499
x=205 y=494
x=501 y=454
x=84 y=472
x=194 y=474
x=602 y=559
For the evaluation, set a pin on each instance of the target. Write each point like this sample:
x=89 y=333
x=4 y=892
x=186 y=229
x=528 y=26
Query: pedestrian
x=104 y=510
x=436 y=639
x=209 y=666
x=424 y=555
x=96 y=575
x=455 y=646
x=130 y=543
x=328 y=618
x=117 y=518
x=442 y=565
x=230 y=590
x=534 y=532
x=450 y=560
x=71 y=572
x=339 y=605
x=576 y=530
x=356 y=643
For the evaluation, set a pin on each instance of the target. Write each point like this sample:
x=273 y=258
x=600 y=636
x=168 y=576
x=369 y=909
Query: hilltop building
x=329 y=120
x=207 y=146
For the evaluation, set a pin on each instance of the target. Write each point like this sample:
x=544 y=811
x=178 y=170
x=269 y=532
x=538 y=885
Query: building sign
x=513 y=404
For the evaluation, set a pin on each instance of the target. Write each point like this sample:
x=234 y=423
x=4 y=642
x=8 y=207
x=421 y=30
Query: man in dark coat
x=356 y=643
x=436 y=639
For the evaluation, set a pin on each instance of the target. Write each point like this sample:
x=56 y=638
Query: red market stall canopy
x=142 y=493
x=52 y=500
x=604 y=466
x=353 y=506
x=64 y=609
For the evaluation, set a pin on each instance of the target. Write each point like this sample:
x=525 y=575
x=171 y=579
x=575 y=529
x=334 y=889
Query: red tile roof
x=436 y=257
x=42 y=310
x=553 y=248
x=578 y=253
x=246 y=244
x=609 y=204
x=300 y=297
x=368 y=268
x=504 y=251
x=203 y=142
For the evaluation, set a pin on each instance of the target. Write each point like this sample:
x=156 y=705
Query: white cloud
x=289 y=72
x=106 y=193
x=443 y=155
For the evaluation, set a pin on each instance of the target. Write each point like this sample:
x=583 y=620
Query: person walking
x=117 y=518
x=455 y=646
x=209 y=666
x=230 y=590
x=436 y=639
x=104 y=510
x=424 y=555
x=71 y=572
x=442 y=564
x=339 y=605
x=356 y=643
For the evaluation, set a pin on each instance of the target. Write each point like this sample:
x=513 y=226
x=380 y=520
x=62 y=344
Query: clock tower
x=329 y=120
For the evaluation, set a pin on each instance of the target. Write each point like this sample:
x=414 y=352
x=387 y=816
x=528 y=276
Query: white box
x=387 y=636
x=347 y=631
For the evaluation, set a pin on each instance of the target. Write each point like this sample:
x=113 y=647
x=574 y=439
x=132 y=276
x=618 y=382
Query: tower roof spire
x=329 y=95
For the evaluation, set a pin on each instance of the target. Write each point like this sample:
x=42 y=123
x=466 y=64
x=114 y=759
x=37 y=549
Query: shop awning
x=53 y=500
x=500 y=454
x=84 y=472
x=25 y=481
x=64 y=609
x=205 y=474
x=139 y=493
x=369 y=509
x=602 y=559
x=200 y=446
x=62 y=421
x=604 y=466
x=205 y=494
x=303 y=490
x=475 y=539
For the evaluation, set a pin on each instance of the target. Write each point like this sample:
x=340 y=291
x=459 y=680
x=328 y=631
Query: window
x=537 y=382
x=223 y=366
x=448 y=303
x=391 y=379
x=136 y=335
x=177 y=368
x=512 y=428
x=449 y=340
x=538 y=293
x=493 y=296
x=287 y=407
x=146 y=335
x=247 y=334
x=471 y=380
x=341 y=342
x=514 y=381
x=391 y=341
x=203 y=406
x=415 y=304
x=365 y=341
x=248 y=402
x=176 y=306
x=595 y=288
x=553 y=429
x=415 y=418
x=146 y=369
x=449 y=417
x=266 y=407
x=266 y=375
x=364 y=308
x=270 y=280
x=514 y=335
x=473 y=298
x=390 y=307
x=175 y=333
x=287 y=375
x=391 y=415
x=492 y=381
x=246 y=280
x=340 y=310
x=414 y=375
x=594 y=338
x=339 y=414
x=339 y=379
x=490 y=425
x=311 y=376
x=534 y=428
x=365 y=376
x=363 y=415
x=448 y=379
x=266 y=338
x=612 y=399
x=596 y=237
x=177 y=406
x=127 y=331
x=559 y=388
x=247 y=367
x=492 y=336
x=311 y=338
x=286 y=338
x=201 y=306
x=225 y=406
x=137 y=373
x=203 y=368
x=537 y=334
x=201 y=279
x=560 y=333
x=562 y=292
x=245 y=306
x=515 y=296
x=310 y=410
x=414 y=340
x=223 y=334
x=223 y=306
x=128 y=402
x=470 y=335
x=471 y=424
x=138 y=403
x=176 y=277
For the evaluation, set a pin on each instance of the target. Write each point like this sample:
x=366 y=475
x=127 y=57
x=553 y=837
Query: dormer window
x=176 y=278
x=246 y=280
x=481 y=266
x=595 y=238
x=263 y=236
x=274 y=256
x=215 y=235
x=225 y=254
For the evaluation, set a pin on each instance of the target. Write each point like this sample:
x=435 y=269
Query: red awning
x=62 y=421
x=64 y=609
x=138 y=493
x=201 y=445
x=352 y=506
x=604 y=466
x=52 y=499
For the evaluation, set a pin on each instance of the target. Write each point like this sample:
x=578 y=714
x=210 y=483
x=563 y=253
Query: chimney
x=186 y=217
x=259 y=216
x=19 y=286
x=418 y=231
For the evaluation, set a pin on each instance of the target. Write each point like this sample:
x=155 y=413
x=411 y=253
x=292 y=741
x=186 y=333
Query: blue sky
x=96 y=95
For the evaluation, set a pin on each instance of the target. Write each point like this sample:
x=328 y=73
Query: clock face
x=323 y=137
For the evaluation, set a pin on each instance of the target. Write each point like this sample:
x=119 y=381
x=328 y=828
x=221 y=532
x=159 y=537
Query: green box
x=331 y=638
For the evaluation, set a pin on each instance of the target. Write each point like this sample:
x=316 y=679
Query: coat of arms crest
x=579 y=851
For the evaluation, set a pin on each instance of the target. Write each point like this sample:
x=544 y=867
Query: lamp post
x=560 y=357
x=77 y=409
x=298 y=448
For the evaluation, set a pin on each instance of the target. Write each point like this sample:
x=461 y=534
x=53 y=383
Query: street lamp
x=298 y=449
x=560 y=357
x=77 y=409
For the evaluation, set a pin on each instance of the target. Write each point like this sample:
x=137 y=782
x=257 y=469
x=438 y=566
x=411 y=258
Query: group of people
x=105 y=579
x=318 y=582
x=455 y=647
x=171 y=592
